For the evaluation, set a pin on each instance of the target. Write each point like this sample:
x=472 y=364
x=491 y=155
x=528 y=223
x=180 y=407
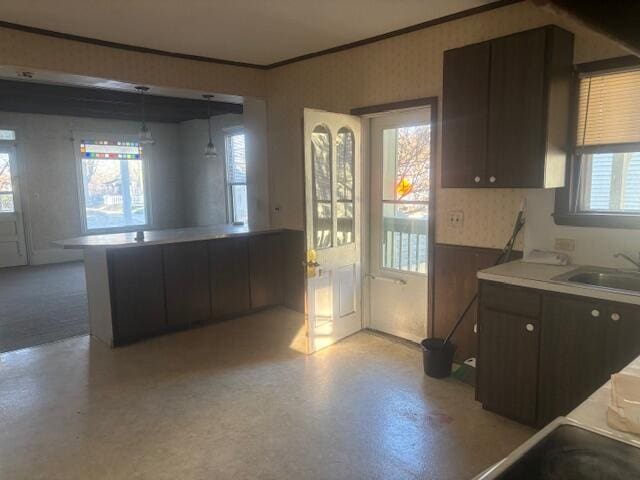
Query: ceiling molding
x=198 y=58
x=40 y=98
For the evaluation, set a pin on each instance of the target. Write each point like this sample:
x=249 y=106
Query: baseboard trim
x=55 y=255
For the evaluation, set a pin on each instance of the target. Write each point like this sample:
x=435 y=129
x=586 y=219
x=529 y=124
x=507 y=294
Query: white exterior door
x=332 y=201
x=399 y=223
x=12 y=244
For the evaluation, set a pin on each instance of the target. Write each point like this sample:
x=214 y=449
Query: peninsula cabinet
x=141 y=291
x=541 y=353
x=506 y=110
x=229 y=270
x=136 y=282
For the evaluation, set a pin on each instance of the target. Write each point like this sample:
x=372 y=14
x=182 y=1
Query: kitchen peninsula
x=175 y=279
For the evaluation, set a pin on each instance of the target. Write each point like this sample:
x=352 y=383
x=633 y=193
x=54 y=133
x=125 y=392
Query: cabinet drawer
x=510 y=299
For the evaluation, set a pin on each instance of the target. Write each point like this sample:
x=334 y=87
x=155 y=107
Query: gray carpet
x=42 y=304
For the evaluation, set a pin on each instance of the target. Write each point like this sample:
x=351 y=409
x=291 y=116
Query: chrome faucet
x=627 y=257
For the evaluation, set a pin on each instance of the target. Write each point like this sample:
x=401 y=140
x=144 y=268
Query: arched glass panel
x=345 y=186
x=322 y=191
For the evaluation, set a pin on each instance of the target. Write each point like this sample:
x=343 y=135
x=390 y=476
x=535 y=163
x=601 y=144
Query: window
x=113 y=184
x=406 y=158
x=237 y=176
x=345 y=187
x=6 y=184
x=604 y=183
x=7 y=202
x=322 y=189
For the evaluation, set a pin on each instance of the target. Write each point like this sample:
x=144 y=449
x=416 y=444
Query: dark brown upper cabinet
x=466 y=114
x=506 y=111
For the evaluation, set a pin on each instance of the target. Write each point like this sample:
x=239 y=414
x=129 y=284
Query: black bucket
x=437 y=357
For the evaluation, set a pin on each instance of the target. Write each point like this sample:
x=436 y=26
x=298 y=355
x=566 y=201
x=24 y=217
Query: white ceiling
x=252 y=31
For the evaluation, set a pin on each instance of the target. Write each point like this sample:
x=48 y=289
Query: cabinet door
x=516 y=110
x=572 y=354
x=623 y=335
x=465 y=115
x=137 y=293
x=265 y=267
x=508 y=364
x=186 y=283
x=229 y=271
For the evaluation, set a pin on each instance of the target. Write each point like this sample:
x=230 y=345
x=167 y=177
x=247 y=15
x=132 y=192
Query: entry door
x=401 y=145
x=332 y=202
x=12 y=245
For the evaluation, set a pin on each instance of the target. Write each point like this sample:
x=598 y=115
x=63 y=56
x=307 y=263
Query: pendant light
x=144 y=135
x=210 y=151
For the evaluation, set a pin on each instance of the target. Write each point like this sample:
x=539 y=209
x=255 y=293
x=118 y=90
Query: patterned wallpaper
x=41 y=52
x=403 y=67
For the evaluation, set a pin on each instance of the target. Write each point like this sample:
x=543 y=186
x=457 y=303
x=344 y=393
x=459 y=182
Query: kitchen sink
x=603 y=278
x=566 y=450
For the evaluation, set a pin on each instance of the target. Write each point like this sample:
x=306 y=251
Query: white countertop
x=159 y=237
x=539 y=277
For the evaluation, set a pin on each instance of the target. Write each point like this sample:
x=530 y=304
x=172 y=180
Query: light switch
x=565 y=244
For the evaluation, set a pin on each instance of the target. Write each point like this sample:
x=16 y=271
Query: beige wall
x=41 y=52
x=403 y=67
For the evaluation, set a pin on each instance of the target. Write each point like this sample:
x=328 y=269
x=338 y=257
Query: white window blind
x=609 y=110
x=236 y=161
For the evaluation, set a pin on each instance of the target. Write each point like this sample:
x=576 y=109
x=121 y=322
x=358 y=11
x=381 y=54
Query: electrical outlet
x=455 y=218
x=565 y=244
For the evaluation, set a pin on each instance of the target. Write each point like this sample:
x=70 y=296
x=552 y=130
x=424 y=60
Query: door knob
x=312 y=263
x=492 y=179
x=477 y=179
x=530 y=327
x=595 y=312
x=615 y=317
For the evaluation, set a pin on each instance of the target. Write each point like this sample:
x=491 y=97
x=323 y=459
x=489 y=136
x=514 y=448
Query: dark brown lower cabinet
x=266 y=270
x=229 y=273
x=186 y=273
x=561 y=356
x=508 y=371
x=572 y=354
x=623 y=335
x=136 y=282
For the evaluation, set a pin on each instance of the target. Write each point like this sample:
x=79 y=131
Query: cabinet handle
x=492 y=179
x=595 y=312
x=530 y=327
x=477 y=179
x=615 y=317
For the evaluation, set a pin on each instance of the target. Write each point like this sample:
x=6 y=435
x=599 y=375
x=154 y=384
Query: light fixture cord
x=209 y=118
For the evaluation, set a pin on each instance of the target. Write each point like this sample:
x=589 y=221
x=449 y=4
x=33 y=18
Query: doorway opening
x=401 y=220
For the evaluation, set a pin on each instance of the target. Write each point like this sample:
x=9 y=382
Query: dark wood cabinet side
x=136 y=281
x=516 y=110
x=266 y=270
x=229 y=273
x=572 y=353
x=465 y=115
x=186 y=274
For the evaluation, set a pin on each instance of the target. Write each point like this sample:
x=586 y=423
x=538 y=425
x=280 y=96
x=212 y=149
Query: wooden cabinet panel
x=455 y=284
x=623 y=335
x=508 y=364
x=137 y=293
x=186 y=283
x=516 y=110
x=572 y=354
x=229 y=273
x=465 y=115
x=511 y=299
x=265 y=270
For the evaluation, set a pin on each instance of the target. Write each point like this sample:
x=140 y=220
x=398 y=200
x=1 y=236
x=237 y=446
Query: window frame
x=230 y=132
x=12 y=145
x=128 y=136
x=566 y=208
